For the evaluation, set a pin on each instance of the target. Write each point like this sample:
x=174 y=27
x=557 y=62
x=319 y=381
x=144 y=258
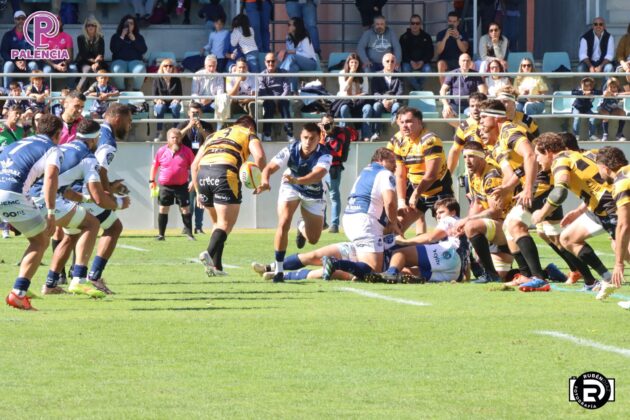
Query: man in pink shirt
x=62 y=41
x=175 y=160
x=71 y=116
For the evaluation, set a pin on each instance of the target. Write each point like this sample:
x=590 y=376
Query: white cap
x=18 y=13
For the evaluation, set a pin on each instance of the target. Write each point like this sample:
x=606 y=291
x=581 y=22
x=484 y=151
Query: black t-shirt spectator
x=89 y=50
x=126 y=49
x=416 y=47
x=193 y=138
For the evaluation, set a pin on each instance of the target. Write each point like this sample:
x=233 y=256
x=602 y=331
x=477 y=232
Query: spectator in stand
x=451 y=44
x=530 y=85
x=102 y=90
x=61 y=41
x=241 y=86
x=307 y=11
x=495 y=82
x=128 y=47
x=218 y=41
x=167 y=85
x=300 y=54
x=142 y=8
x=622 y=53
x=597 y=49
x=369 y=9
x=353 y=86
x=174 y=161
x=417 y=51
x=10 y=130
x=91 y=45
x=15 y=90
x=71 y=116
x=375 y=43
x=205 y=85
x=493 y=46
x=387 y=85
x=242 y=36
x=585 y=106
x=210 y=12
x=194 y=133
x=259 y=14
x=14 y=40
x=461 y=82
x=338 y=141
x=38 y=91
x=271 y=84
x=180 y=7
x=612 y=105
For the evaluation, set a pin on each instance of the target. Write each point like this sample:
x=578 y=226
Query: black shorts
x=171 y=194
x=219 y=184
x=427 y=203
x=539 y=202
x=609 y=223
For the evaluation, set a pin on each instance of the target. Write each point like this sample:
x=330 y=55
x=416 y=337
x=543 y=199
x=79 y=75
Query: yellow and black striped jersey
x=590 y=153
x=621 y=187
x=482 y=186
x=229 y=146
x=414 y=153
x=584 y=181
x=511 y=136
x=394 y=140
x=528 y=122
x=468 y=130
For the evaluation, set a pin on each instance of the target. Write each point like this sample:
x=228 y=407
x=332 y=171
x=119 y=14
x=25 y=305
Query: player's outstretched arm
x=258 y=153
x=271 y=168
x=621 y=243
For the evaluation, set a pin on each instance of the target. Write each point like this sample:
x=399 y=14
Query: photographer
x=337 y=139
x=194 y=133
x=451 y=43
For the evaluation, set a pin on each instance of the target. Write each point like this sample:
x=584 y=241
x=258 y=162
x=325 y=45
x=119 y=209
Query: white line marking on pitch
x=133 y=248
x=383 y=297
x=586 y=343
x=196 y=261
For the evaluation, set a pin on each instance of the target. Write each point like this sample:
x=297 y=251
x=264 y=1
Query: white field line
x=383 y=297
x=586 y=343
x=196 y=261
x=133 y=248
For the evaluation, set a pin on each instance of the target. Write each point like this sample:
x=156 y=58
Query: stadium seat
x=161 y=55
x=514 y=60
x=88 y=104
x=54 y=98
x=425 y=103
x=626 y=105
x=137 y=100
x=553 y=60
x=335 y=58
x=561 y=104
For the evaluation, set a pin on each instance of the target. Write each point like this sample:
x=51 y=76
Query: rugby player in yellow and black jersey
x=397 y=138
x=484 y=222
x=613 y=167
x=572 y=171
x=215 y=178
x=421 y=174
x=508 y=96
x=468 y=130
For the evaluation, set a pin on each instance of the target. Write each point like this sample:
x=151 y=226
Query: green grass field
x=174 y=343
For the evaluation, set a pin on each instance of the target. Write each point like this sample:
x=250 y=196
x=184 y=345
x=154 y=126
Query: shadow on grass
x=216 y=308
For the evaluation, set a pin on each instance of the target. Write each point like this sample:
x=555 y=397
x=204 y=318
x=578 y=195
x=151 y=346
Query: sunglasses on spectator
x=20 y=18
x=526 y=65
x=416 y=23
x=90 y=25
x=494 y=30
x=598 y=23
x=270 y=61
x=168 y=65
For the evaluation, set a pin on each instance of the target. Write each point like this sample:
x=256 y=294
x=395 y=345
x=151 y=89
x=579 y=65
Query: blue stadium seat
x=514 y=60
x=133 y=98
x=160 y=55
x=561 y=104
x=190 y=54
x=336 y=58
x=425 y=103
x=553 y=60
x=626 y=105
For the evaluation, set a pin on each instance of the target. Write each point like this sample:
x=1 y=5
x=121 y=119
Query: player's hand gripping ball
x=250 y=175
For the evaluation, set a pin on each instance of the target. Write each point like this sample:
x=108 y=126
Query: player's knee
x=115 y=229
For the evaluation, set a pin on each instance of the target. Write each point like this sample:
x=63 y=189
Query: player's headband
x=507 y=96
x=477 y=153
x=492 y=113
x=88 y=135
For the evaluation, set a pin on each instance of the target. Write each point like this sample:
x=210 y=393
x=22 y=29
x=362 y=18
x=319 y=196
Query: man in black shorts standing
x=175 y=160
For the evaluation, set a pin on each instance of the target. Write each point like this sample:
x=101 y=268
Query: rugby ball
x=250 y=174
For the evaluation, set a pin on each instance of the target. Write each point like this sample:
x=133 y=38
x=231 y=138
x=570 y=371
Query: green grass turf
x=173 y=343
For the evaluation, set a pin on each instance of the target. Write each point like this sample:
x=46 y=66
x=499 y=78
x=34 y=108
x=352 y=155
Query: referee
x=175 y=160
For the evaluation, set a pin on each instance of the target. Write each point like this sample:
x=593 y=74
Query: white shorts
x=549 y=229
x=105 y=217
x=590 y=222
x=361 y=225
x=314 y=206
x=347 y=251
x=22 y=213
x=62 y=206
x=517 y=213
x=438 y=264
x=500 y=264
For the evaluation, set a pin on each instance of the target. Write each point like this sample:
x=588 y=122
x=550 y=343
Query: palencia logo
x=45 y=26
x=591 y=390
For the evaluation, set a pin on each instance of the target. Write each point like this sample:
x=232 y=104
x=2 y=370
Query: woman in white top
x=242 y=38
x=530 y=85
x=493 y=82
x=493 y=45
x=300 y=54
x=353 y=86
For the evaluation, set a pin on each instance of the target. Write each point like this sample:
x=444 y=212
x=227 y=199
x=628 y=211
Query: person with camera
x=194 y=133
x=451 y=43
x=337 y=139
